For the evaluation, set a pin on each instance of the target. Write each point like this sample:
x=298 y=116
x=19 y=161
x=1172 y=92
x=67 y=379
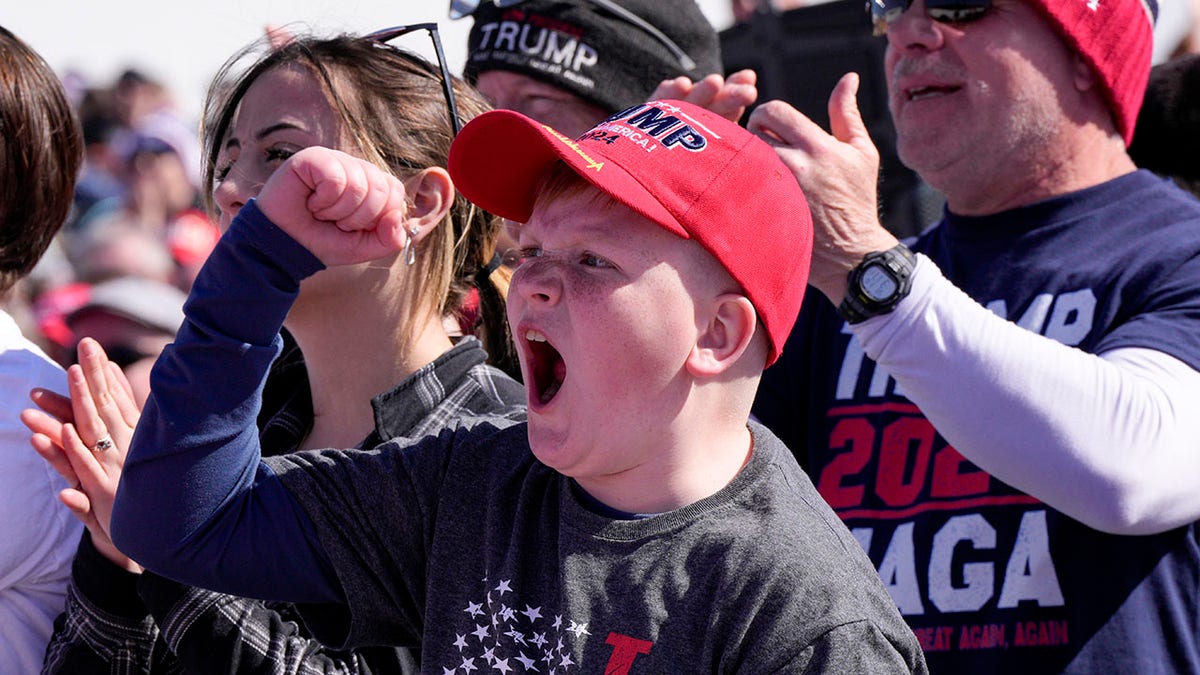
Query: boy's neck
x=681 y=473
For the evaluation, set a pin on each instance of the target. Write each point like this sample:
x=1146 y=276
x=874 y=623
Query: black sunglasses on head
x=388 y=34
x=884 y=12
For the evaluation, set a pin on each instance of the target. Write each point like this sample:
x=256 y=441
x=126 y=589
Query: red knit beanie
x=1116 y=38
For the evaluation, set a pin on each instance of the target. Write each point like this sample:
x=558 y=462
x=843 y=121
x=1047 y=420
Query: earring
x=410 y=249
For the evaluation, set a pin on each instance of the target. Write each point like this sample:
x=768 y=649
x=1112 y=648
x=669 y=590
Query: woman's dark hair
x=41 y=151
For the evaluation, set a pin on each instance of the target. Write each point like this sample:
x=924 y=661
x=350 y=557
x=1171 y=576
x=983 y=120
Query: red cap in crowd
x=693 y=172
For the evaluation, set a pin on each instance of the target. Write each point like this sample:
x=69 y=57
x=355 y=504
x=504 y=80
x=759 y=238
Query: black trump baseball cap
x=612 y=53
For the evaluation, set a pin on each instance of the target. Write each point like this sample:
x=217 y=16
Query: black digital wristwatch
x=878 y=283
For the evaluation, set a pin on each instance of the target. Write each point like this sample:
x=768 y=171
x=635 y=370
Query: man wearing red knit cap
x=1004 y=410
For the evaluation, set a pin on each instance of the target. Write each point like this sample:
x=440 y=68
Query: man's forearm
x=1108 y=440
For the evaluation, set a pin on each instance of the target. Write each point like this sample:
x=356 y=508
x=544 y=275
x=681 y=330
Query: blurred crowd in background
x=122 y=265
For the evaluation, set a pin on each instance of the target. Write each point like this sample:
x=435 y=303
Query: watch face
x=877 y=284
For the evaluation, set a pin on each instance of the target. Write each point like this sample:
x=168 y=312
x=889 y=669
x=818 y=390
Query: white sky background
x=182 y=43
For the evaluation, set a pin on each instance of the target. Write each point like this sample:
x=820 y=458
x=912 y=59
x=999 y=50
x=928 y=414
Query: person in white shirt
x=41 y=150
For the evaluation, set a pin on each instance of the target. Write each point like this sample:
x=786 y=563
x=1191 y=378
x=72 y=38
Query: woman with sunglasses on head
x=361 y=330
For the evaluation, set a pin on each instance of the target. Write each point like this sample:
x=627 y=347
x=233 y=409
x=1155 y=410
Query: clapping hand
x=85 y=439
x=727 y=96
x=838 y=171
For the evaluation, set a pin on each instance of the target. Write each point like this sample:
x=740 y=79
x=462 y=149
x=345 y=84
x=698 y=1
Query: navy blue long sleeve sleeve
x=195 y=503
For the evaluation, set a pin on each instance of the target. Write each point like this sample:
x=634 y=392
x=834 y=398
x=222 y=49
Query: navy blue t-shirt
x=991 y=579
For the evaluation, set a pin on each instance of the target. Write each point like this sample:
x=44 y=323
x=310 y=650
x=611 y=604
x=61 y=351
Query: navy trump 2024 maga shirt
x=991 y=579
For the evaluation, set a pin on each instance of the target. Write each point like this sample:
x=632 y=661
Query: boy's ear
x=727 y=335
x=431 y=195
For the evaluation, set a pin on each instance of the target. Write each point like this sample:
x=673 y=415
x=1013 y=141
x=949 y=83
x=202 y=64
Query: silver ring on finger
x=104 y=444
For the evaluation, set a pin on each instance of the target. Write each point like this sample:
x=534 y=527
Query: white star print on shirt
x=506 y=635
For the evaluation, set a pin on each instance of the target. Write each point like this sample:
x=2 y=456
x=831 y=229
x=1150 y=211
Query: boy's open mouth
x=547 y=367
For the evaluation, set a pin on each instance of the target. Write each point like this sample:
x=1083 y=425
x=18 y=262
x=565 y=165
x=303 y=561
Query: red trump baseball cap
x=695 y=173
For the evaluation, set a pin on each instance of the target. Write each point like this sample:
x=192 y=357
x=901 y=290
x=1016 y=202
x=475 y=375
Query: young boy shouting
x=636 y=523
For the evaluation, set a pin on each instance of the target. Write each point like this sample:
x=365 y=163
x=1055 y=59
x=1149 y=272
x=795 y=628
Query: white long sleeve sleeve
x=1112 y=440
